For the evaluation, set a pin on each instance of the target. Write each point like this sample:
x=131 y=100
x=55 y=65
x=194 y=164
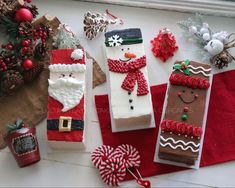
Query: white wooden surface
x=75 y=169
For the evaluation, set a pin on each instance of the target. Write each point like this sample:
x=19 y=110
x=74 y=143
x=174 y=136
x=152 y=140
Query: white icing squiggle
x=194 y=72
x=67 y=67
x=179 y=146
x=199 y=67
x=179 y=141
x=198 y=72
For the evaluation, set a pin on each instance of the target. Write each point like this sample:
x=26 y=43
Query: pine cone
x=4 y=8
x=34 y=10
x=222 y=60
x=33 y=73
x=12 y=82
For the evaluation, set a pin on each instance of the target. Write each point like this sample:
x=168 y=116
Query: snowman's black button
x=130 y=100
x=132 y=107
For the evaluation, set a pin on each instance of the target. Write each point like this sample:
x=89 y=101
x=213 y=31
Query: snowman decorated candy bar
x=129 y=92
x=183 y=121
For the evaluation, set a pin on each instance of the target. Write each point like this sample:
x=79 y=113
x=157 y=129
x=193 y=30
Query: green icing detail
x=183 y=66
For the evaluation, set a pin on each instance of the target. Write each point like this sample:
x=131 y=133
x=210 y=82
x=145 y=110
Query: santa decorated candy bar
x=183 y=121
x=129 y=92
x=66 y=107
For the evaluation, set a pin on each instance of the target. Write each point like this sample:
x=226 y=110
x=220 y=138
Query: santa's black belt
x=54 y=124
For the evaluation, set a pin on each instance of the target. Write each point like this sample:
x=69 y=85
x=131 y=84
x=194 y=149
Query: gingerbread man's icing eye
x=128 y=48
x=192 y=92
x=183 y=91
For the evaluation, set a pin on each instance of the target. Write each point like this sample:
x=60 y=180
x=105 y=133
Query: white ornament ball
x=206 y=36
x=222 y=36
x=77 y=54
x=204 y=30
x=192 y=29
x=205 y=25
x=214 y=47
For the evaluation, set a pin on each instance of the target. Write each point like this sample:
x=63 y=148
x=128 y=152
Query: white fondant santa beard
x=119 y=97
x=80 y=77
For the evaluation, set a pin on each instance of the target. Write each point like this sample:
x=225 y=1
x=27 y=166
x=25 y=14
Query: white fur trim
x=77 y=54
x=67 y=67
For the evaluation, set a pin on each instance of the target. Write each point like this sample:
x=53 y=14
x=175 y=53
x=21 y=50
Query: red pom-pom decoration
x=112 y=171
x=27 y=64
x=130 y=155
x=164 y=45
x=23 y=15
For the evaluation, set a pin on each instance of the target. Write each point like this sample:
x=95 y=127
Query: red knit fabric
x=133 y=74
x=219 y=141
x=192 y=82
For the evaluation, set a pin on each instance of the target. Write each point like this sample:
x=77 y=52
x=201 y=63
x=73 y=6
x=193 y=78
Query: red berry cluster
x=41 y=33
x=3 y=66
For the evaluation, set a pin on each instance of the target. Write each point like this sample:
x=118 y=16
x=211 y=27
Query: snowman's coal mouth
x=125 y=60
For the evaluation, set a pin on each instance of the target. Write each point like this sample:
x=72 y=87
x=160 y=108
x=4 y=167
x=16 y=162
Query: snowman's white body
x=123 y=116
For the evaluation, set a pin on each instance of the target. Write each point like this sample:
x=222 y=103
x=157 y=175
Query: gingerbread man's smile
x=181 y=95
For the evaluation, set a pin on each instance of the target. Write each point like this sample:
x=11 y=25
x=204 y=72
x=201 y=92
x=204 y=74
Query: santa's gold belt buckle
x=65 y=124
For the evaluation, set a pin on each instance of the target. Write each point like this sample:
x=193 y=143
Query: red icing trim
x=133 y=74
x=180 y=128
x=192 y=82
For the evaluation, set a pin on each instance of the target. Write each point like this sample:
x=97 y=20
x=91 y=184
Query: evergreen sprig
x=16 y=126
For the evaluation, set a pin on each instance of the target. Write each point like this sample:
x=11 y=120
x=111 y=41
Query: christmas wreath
x=25 y=45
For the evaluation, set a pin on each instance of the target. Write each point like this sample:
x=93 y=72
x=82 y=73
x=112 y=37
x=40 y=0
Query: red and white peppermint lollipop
x=112 y=171
x=101 y=154
x=130 y=154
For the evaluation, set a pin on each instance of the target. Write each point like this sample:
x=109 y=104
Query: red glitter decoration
x=164 y=45
x=133 y=74
x=181 y=128
x=192 y=82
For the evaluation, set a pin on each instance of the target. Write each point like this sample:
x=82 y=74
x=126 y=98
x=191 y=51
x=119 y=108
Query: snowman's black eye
x=128 y=48
x=62 y=75
x=71 y=74
x=122 y=49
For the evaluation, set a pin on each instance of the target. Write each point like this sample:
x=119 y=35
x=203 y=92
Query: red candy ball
x=186 y=109
x=26 y=43
x=23 y=15
x=27 y=64
x=9 y=46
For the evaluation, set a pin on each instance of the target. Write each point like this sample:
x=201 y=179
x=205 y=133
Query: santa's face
x=67 y=88
x=125 y=53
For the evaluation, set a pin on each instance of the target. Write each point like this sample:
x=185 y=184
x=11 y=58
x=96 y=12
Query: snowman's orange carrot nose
x=129 y=55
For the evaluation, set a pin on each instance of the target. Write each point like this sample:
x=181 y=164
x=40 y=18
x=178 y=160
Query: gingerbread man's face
x=184 y=104
x=187 y=95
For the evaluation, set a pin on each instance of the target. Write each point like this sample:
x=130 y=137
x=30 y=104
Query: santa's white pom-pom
x=192 y=29
x=77 y=54
x=214 y=47
x=206 y=36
